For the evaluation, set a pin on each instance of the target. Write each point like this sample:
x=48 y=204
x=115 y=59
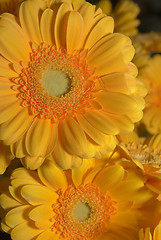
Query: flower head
x=86 y=203
x=67 y=83
x=145 y=45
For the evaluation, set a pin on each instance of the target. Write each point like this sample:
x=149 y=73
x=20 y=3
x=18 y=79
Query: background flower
x=146 y=154
x=150 y=75
x=125 y=14
x=146 y=44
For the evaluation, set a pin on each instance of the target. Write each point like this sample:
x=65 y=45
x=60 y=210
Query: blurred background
x=150 y=14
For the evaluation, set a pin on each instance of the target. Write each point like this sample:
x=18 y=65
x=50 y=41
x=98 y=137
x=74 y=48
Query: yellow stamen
x=144 y=153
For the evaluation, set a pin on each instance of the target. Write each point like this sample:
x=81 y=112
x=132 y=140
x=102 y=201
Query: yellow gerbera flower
x=146 y=154
x=151 y=76
x=67 y=83
x=86 y=203
x=124 y=13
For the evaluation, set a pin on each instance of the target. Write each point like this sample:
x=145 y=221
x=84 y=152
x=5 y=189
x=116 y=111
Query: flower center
x=144 y=154
x=82 y=212
x=55 y=83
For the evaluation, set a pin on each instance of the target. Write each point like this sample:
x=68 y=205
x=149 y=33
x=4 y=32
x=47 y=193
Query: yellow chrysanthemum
x=125 y=15
x=151 y=76
x=67 y=83
x=145 y=44
x=87 y=203
x=146 y=154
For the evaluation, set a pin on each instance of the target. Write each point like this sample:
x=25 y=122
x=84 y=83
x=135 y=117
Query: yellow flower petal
x=17 y=215
x=16 y=194
x=43 y=224
x=134 y=188
x=11 y=130
x=91 y=131
x=124 y=123
x=154 y=184
x=119 y=82
x=53 y=138
x=13 y=44
x=117 y=103
x=5 y=87
x=7 y=201
x=23 y=122
x=78 y=173
x=63 y=159
x=32 y=163
x=46 y=24
x=101 y=121
x=87 y=12
x=38 y=137
x=5 y=227
x=25 y=229
x=52 y=176
x=73 y=136
x=60 y=25
x=48 y=235
x=5 y=70
x=35 y=194
x=22 y=176
x=135 y=116
x=42 y=212
x=157 y=232
x=17 y=149
x=74 y=31
x=108 y=54
x=7 y=98
x=109 y=177
x=6 y=111
x=29 y=19
x=98 y=30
